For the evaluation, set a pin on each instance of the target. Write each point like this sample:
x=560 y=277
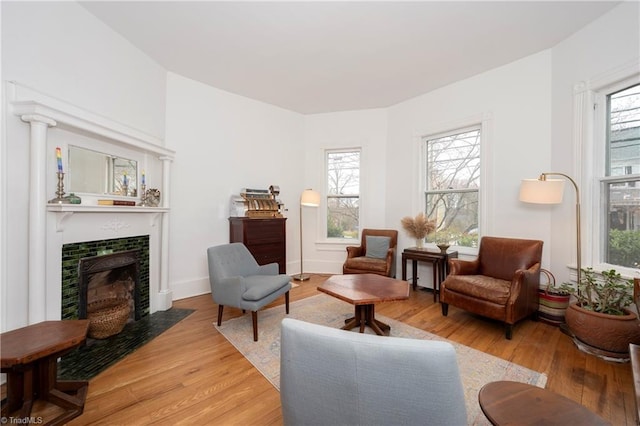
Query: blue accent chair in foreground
x=336 y=377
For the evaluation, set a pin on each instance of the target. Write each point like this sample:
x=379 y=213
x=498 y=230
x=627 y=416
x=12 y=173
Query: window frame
x=484 y=122
x=590 y=161
x=325 y=214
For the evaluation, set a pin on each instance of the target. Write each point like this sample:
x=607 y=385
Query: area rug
x=476 y=367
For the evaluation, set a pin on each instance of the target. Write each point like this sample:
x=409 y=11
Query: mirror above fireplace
x=93 y=172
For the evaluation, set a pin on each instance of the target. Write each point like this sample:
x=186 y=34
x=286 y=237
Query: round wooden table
x=514 y=403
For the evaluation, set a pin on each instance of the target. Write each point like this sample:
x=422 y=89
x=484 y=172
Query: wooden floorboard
x=192 y=375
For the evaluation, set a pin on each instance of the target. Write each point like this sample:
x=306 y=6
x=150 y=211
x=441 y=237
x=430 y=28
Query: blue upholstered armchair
x=238 y=281
x=335 y=377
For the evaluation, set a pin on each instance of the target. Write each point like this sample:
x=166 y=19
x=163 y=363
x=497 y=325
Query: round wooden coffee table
x=514 y=403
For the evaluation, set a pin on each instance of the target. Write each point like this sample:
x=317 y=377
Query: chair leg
x=286 y=302
x=509 y=331
x=220 y=308
x=254 y=319
x=445 y=309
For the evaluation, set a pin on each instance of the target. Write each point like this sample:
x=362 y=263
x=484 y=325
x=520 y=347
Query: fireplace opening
x=109 y=291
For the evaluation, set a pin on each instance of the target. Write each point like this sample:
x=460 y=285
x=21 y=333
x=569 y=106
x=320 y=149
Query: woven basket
x=107 y=317
x=552 y=303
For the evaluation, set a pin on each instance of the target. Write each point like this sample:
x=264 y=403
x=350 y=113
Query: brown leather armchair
x=379 y=259
x=502 y=283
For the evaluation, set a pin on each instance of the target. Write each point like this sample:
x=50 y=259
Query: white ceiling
x=326 y=56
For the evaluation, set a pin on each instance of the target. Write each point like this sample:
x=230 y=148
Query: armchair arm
x=354 y=251
x=268 y=269
x=391 y=264
x=524 y=290
x=229 y=291
x=463 y=267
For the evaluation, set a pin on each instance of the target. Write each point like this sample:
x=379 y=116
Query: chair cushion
x=366 y=264
x=260 y=286
x=480 y=287
x=377 y=247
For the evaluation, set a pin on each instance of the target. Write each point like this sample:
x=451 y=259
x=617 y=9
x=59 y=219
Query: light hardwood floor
x=192 y=375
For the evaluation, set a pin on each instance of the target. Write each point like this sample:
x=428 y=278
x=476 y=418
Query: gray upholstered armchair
x=238 y=281
x=335 y=377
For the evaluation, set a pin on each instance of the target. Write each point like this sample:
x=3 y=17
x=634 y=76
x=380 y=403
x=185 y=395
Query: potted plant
x=553 y=300
x=599 y=318
x=418 y=227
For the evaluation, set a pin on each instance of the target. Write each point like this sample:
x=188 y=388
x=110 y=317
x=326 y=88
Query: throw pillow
x=377 y=247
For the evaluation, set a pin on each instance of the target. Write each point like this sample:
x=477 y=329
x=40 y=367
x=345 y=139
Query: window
x=452 y=186
x=620 y=186
x=343 y=193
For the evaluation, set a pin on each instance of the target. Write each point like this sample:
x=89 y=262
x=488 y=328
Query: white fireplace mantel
x=48 y=222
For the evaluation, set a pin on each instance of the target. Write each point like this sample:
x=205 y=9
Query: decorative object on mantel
x=116 y=203
x=152 y=197
x=60 y=198
x=125 y=184
x=74 y=199
x=418 y=227
x=143 y=190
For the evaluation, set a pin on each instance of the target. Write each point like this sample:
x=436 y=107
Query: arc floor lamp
x=550 y=191
x=309 y=198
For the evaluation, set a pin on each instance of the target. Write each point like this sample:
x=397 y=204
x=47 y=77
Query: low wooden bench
x=30 y=357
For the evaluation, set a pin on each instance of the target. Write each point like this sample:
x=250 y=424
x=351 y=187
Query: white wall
x=606 y=45
x=62 y=50
x=529 y=104
x=367 y=130
x=225 y=142
x=517 y=99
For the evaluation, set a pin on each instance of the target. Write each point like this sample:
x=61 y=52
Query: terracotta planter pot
x=611 y=333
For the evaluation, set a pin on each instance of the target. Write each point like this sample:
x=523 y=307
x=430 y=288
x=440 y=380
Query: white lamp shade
x=537 y=191
x=310 y=198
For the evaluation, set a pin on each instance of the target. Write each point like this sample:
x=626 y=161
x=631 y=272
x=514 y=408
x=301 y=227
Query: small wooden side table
x=514 y=403
x=30 y=357
x=439 y=261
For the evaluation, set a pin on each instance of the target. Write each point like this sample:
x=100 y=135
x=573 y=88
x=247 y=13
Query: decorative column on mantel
x=37 y=215
x=165 y=298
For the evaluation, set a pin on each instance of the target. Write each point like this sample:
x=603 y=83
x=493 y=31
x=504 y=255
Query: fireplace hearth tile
x=95 y=356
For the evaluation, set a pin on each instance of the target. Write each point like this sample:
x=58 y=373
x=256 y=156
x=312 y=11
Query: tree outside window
x=343 y=193
x=452 y=186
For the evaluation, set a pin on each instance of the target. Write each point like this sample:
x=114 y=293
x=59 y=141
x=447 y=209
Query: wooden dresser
x=265 y=238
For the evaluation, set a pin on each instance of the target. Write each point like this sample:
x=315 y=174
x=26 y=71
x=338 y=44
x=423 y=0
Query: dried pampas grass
x=418 y=227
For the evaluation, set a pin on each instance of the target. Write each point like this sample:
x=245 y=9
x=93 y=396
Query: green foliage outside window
x=624 y=248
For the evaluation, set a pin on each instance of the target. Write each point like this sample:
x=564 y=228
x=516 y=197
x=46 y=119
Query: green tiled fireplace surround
x=71 y=255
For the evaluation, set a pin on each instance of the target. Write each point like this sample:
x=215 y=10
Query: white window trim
x=589 y=129
x=325 y=243
x=484 y=122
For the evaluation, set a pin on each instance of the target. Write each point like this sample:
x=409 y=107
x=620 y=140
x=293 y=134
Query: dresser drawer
x=265 y=238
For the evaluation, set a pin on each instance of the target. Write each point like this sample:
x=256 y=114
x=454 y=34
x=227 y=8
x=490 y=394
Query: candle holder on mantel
x=143 y=195
x=60 y=199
